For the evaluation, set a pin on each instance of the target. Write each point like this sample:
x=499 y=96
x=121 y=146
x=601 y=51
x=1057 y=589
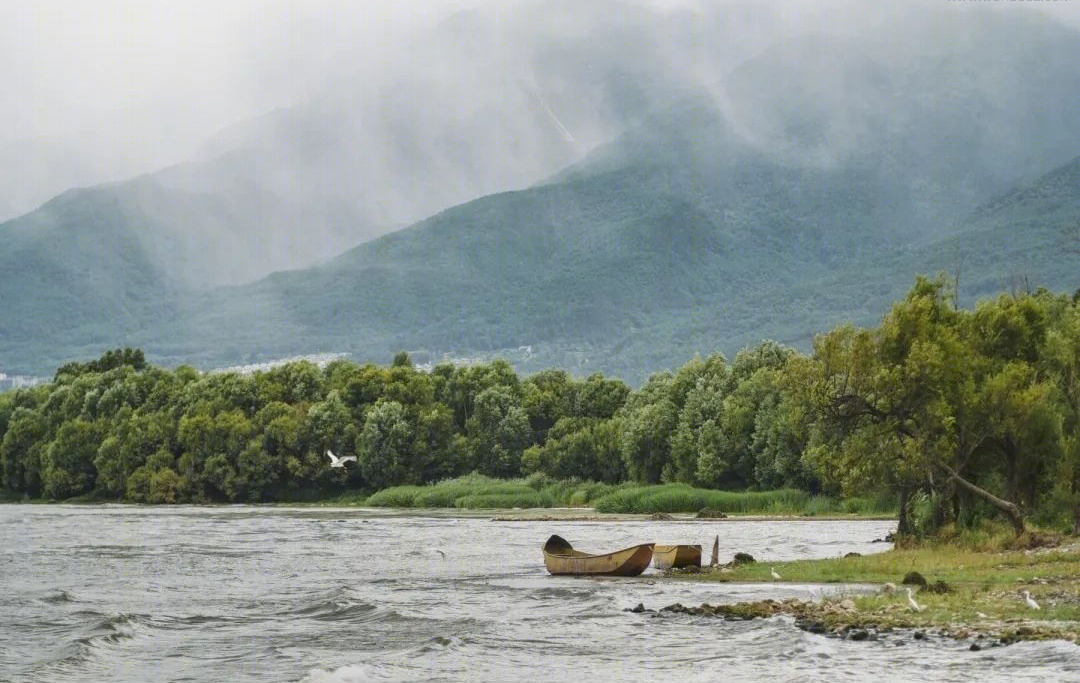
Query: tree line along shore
x=942 y=415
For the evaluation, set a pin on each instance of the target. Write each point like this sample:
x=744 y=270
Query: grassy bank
x=980 y=593
x=476 y=492
x=683 y=498
x=479 y=492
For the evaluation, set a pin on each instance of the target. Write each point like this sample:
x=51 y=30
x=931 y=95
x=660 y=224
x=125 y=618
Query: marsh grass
x=476 y=491
x=684 y=498
x=394 y=497
x=530 y=499
x=451 y=493
x=537 y=491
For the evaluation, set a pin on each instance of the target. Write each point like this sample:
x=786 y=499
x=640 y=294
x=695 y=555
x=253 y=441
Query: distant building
x=320 y=360
x=19 y=381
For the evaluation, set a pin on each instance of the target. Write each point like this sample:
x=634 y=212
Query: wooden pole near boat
x=715 y=560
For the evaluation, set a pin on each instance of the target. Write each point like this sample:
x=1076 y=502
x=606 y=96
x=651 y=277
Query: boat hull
x=562 y=560
x=676 y=556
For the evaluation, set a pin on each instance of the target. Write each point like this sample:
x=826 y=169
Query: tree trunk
x=955 y=496
x=903 y=525
x=1010 y=509
x=943 y=508
x=1076 y=510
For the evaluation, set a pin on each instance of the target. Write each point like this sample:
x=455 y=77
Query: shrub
x=394 y=497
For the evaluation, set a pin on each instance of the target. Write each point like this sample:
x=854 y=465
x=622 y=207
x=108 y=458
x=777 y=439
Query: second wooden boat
x=560 y=558
x=675 y=556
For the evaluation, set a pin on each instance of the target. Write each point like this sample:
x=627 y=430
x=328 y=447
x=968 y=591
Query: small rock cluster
x=742 y=558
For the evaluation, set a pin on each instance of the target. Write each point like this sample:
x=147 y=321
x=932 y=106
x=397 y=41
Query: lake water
x=118 y=593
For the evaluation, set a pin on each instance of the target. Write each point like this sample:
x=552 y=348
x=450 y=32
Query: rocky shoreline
x=891 y=624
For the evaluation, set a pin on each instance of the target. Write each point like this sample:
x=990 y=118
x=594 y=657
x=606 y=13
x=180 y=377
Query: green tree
x=383 y=445
x=645 y=439
x=499 y=432
x=68 y=465
x=599 y=397
x=906 y=405
x=433 y=457
x=547 y=396
x=697 y=439
x=21 y=451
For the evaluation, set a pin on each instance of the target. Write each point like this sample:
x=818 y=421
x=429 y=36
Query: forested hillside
x=699 y=244
x=957 y=413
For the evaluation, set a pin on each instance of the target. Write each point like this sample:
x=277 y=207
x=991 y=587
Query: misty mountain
x=636 y=268
x=490 y=100
x=1026 y=238
x=948 y=108
x=691 y=184
x=597 y=254
x=34 y=170
x=74 y=275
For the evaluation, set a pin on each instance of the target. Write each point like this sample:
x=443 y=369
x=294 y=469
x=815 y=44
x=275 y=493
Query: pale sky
x=185 y=67
x=160 y=76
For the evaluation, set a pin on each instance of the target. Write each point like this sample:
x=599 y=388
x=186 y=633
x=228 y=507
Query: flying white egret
x=340 y=462
x=911 y=602
x=775 y=576
x=1030 y=602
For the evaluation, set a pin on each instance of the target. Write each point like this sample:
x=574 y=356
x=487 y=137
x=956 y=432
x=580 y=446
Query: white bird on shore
x=1030 y=601
x=340 y=462
x=911 y=602
x=775 y=576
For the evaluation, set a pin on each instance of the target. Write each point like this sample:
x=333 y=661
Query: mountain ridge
x=696 y=227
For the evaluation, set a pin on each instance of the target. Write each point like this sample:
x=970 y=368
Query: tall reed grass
x=538 y=491
x=685 y=498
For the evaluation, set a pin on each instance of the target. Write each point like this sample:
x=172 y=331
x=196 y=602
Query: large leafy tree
x=383 y=445
x=68 y=463
x=499 y=432
x=912 y=404
x=21 y=451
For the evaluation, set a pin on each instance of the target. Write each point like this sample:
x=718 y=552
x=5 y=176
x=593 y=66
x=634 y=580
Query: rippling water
x=274 y=594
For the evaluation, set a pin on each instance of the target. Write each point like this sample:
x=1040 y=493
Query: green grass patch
x=954 y=565
x=478 y=491
x=992 y=535
x=539 y=491
x=588 y=492
x=685 y=498
x=470 y=491
x=985 y=587
x=394 y=497
x=530 y=499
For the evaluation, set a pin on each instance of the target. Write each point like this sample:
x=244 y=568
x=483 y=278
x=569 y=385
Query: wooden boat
x=561 y=558
x=675 y=556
